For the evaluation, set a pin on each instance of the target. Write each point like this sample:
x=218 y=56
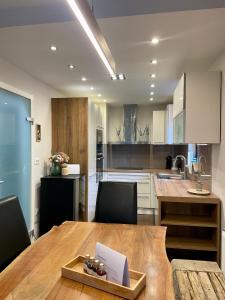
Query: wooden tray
x=74 y=270
x=196 y=192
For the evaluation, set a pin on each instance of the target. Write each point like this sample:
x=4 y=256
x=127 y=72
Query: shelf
x=186 y=220
x=190 y=244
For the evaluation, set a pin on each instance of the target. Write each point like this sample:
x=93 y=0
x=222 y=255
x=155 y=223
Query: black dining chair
x=14 y=237
x=116 y=202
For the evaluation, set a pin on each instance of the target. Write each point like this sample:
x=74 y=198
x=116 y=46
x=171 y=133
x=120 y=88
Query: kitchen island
x=193 y=221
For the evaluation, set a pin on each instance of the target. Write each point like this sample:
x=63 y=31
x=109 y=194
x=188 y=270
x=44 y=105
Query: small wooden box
x=74 y=270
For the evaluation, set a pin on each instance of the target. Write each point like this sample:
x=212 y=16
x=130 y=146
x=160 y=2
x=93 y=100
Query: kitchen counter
x=147 y=170
x=176 y=190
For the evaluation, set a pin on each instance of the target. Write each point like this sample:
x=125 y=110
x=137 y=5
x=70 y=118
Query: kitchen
x=162 y=126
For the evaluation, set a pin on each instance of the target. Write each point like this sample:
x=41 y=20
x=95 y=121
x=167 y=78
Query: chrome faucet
x=185 y=165
x=201 y=158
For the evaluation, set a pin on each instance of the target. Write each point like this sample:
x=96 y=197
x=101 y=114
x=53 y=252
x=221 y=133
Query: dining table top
x=36 y=272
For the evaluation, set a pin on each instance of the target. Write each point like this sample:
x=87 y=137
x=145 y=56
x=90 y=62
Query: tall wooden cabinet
x=74 y=124
x=70 y=134
x=70 y=129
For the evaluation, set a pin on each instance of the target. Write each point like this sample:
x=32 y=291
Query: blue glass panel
x=15 y=149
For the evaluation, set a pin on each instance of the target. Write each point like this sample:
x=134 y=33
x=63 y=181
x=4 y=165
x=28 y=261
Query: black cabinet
x=59 y=201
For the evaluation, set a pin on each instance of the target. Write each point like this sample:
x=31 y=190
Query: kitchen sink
x=169 y=176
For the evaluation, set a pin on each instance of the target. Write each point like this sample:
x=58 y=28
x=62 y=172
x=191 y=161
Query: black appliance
x=169 y=162
x=99 y=155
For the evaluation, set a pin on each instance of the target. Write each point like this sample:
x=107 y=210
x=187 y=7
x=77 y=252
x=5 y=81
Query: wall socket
x=36 y=161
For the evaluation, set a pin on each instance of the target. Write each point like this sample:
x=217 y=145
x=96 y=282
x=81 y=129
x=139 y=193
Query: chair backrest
x=116 y=202
x=14 y=237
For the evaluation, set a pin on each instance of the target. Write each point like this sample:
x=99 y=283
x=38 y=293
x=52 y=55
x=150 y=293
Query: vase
x=55 y=169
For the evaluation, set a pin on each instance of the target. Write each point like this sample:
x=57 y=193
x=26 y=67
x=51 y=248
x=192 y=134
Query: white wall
x=41 y=112
x=218 y=152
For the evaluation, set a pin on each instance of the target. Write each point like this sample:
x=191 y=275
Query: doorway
x=15 y=150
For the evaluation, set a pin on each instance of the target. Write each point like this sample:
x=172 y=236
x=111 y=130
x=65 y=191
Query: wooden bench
x=198 y=280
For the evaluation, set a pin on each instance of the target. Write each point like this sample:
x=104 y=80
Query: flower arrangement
x=60 y=158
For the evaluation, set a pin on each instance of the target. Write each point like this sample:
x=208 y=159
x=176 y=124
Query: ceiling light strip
x=93 y=32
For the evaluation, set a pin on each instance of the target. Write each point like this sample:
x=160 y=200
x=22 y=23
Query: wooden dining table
x=36 y=272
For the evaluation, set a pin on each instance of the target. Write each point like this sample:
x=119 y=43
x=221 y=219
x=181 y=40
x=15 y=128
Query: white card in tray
x=116 y=264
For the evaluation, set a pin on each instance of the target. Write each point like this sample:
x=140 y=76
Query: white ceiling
x=190 y=40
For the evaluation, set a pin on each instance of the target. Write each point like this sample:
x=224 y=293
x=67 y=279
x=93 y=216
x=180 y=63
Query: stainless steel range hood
x=129 y=122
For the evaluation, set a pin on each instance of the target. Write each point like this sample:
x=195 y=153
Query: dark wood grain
x=36 y=273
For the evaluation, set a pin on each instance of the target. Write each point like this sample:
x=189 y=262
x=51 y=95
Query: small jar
x=86 y=262
x=101 y=272
x=90 y=265
x=96 y=266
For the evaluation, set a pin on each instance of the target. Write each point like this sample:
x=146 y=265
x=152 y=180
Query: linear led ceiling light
x=88 y=22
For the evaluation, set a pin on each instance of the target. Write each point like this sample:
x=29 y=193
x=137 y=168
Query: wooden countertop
x=147 y=170
x=176 y=190
x=36 y=273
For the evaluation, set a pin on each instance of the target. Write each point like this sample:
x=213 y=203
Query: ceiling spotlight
x=92 y=88
x=53 y=48
x=122 y=77
x=99 y=95
x=113 y=77
x=152 y=85
x=151 y=99
x=152 y=93
x=155 y=41
x=71 y=67
x=84 y=79
x=154 y=61
x=118 y=77
x=104 y=101
x=153 y=76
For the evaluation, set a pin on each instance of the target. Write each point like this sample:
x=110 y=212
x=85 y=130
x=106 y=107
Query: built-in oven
x=99 y=155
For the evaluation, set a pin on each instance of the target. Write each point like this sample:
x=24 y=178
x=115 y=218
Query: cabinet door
x=178 y=97
x=144 y=201
x=158 y=136
x=179 y=128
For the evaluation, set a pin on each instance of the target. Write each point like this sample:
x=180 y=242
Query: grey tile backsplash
x=142 y=156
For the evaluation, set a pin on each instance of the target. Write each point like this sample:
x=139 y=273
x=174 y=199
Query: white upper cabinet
x=159 y=127
x=178 y=98
x=169 y=124
x=197 y=120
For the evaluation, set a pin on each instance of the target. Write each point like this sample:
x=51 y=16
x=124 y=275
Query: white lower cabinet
x=154 y=200
x=144 y=201
x=143 y=185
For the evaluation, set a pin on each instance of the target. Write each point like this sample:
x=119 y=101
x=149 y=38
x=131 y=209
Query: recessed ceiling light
x=5 y=103
x=154 y=61
x=92 y=88
x=104 y=101
x=155 y=41
x=99 y=95
x=71 y=67
x=152 y=85
x=113 y=77
x=153 y=76
x=53 y=48
x=122 y=77
x=118 y=77
x=152 y=93
x=84 y=79
x=151 y=99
